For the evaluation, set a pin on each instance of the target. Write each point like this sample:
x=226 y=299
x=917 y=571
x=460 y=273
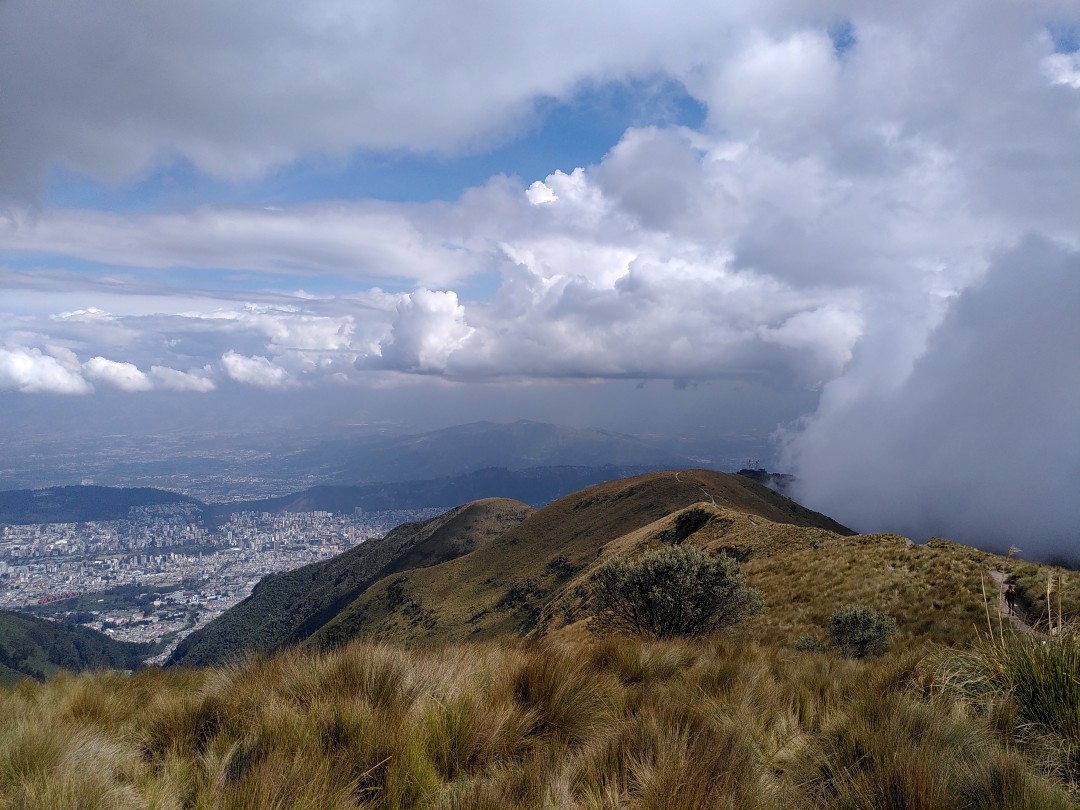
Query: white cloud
x=979 y=441
x=238 y=89
x=257 y=371
x=835 y=209
x=29 y=371
x=366 y=240
x=828 y=335
x=172 y=380
x=1063 y=68
x=298 y=330
x=125 y=376
x=428 y=328
x=778 y=91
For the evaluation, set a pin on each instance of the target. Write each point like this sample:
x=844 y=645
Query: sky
x=852 y=228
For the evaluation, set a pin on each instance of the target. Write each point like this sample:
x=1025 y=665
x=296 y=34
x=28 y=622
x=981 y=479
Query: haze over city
x=843 y=237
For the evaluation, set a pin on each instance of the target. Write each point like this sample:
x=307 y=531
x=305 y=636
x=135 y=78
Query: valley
x=454 y=663
x=374 y=645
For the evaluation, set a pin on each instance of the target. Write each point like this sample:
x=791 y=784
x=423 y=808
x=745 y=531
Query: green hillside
x=477 y=572
x=36 y=648
x=452 y=665
x=287 y=608
x=534 y=580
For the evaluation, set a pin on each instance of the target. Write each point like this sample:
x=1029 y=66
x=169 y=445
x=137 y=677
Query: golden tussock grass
x=611 y=723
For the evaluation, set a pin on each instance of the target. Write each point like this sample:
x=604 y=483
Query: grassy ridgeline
x=605 y=724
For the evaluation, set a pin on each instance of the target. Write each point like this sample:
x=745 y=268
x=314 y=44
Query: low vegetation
x=614 y=723
x=1046 y=600
x=36 y=648
x=487 y=690
x=858 y=631
x=671 y=591
x=1026 y=686
x=487 y=569
x=288 y=608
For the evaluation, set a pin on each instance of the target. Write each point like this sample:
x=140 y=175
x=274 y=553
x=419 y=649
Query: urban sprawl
x=182 y=573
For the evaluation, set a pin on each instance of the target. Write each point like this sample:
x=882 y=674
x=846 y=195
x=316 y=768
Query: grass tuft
x=623 y=723
x=1028 y=686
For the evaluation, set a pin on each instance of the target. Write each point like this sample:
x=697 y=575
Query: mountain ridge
x=80 y=503
x=479 y=445
x=285 y=608
x=534 y=462
x=498 y=585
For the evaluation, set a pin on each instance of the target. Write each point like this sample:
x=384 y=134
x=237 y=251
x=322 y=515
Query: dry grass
x=506 y=583
x=1032 y=581
x=932 y=590
x=617 y=723
x=570 y=721
x=534 y=578
x=1028 y=688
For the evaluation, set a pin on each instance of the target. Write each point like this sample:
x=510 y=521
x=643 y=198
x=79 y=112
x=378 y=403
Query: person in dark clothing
x=1010 y=599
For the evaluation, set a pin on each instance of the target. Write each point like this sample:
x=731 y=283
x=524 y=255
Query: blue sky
x=560 y=134
x=798 y=204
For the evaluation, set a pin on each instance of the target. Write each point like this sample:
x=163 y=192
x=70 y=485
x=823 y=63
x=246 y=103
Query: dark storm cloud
x=980 y=443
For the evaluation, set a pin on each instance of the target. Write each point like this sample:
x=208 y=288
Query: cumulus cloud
x=852 y=216
x=429 y=326
x=777 y=91
x=172 y=380
x=979 y=442
x=125 y=376
x=1063 y=68
x=238 y=90
x=257 y=371
x=30 y=371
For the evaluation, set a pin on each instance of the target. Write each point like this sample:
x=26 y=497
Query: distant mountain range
x=476 y=446
x=536 y=486
x=527 y=461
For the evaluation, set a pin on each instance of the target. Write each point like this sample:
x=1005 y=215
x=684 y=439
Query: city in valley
x=161 y=573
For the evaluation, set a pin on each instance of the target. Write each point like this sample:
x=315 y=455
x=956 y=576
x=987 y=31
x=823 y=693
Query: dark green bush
x=856 y=632
x=672 y=591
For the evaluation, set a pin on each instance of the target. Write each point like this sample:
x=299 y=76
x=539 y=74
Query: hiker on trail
x=1010 y=599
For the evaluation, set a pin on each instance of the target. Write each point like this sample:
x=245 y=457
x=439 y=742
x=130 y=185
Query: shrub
x=808 y=644
x=672 y=591
x=859 y=631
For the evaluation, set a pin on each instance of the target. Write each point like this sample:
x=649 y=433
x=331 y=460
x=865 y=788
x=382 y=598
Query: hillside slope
x=77 y=504
x=483 y=569
x=804 y=573
x=36 y=648
x=534 y=579
x=504 y=587
x=287 y=608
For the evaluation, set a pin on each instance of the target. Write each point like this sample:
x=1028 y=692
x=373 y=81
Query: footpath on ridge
x=1017 y=620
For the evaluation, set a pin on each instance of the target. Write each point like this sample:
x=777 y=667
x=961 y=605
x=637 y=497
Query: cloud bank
x=880 y=205
x=979 y=441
